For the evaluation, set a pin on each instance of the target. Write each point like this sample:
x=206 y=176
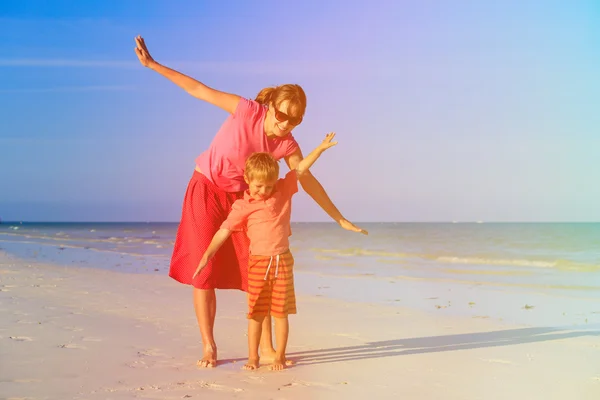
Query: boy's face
x=260 y=189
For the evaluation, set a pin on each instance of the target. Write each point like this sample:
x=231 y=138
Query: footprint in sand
x=254 y=379
x=20 y=313
x=150 y=353
x=153 y=387
x=214 y=386
x=92 y=339
x=290 y=384
x=71 y=346
x=21 y=338
x=137 y=364
x=348 y=335
x=22 y=321
x=496 y=361
x=73 y=328
x=304 y=383
x=295 y=383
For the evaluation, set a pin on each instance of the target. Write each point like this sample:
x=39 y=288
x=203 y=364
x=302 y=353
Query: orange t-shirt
x=267 y=222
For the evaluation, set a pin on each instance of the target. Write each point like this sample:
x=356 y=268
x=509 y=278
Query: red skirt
x=205 y=207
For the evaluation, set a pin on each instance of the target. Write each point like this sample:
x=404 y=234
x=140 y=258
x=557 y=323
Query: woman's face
x=278 y=122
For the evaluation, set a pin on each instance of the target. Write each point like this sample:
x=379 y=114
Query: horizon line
x=6 y=222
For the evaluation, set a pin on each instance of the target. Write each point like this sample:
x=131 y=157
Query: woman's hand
x=344 y=223
x=142 y=52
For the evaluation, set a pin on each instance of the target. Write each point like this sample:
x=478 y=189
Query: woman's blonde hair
x=261 y=166
x=278 y=94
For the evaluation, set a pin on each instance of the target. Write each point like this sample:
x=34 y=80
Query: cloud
x=27 y=140
x=69 y=89
x=313 y=68
x=268 y=67
x=49 y=62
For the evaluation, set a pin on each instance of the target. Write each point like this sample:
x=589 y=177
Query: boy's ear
x=246 y=179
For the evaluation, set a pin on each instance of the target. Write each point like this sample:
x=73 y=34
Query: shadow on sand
x=433 y=344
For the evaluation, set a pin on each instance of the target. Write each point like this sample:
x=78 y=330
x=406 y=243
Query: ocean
x=454 y=267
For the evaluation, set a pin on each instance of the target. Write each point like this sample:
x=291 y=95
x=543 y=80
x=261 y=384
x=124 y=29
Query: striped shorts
x=271 y=285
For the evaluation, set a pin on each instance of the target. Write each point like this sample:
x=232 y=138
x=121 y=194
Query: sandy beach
x=82 y=333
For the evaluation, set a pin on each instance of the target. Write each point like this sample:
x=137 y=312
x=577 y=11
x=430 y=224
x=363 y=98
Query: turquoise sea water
x=397 y=262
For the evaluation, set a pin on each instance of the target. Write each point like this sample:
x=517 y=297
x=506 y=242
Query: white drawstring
x=269 y=266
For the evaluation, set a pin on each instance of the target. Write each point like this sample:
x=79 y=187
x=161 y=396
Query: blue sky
x=444 y=110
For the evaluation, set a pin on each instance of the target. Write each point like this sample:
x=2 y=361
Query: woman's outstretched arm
x=311 y=185
x=226 y=101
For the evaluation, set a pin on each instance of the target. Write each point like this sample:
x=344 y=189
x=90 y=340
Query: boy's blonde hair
x=261 y=166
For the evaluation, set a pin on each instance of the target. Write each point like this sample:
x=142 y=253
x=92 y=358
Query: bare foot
x=251 y=365
x=209 y=358
x=278 y=364
x=269 y=357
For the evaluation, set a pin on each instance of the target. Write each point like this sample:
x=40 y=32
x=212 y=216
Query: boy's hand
x=201 y=265
x=327 y=142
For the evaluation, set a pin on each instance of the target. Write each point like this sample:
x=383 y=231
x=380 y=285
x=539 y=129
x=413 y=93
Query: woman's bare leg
x=205 y=304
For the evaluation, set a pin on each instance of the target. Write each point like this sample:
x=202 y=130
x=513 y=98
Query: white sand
x=76 y=333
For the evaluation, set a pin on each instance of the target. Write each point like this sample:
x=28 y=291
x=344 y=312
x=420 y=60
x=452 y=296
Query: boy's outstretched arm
x=314 y=155
x=215 y=244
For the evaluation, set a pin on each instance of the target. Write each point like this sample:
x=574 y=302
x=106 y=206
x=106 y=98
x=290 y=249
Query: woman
x=262 y=125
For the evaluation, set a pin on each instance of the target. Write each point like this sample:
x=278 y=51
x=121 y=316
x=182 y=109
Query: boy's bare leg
x=205 y=304
x=267 y=351
x=254 y=329
x=282 y=329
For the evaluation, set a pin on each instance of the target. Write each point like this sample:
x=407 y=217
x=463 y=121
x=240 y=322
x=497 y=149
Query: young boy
x=265 y=213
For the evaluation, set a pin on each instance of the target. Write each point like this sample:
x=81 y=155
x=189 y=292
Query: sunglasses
x=282 y=117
